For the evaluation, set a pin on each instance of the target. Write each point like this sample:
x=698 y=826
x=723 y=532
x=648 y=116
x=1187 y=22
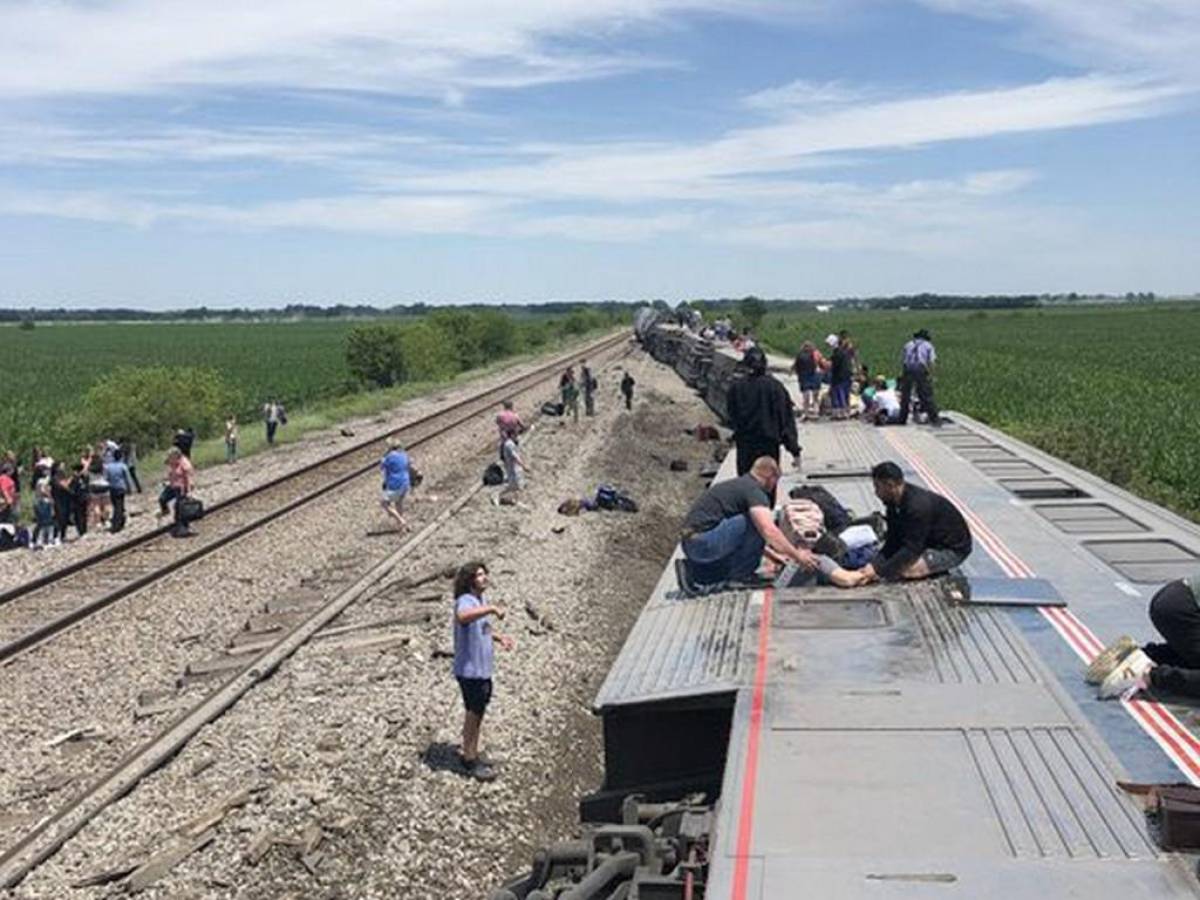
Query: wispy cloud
x=1161 y=36
x=722 y=169
x=431 y=48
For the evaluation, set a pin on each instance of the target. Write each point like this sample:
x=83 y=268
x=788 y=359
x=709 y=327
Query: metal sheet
x=986 y=591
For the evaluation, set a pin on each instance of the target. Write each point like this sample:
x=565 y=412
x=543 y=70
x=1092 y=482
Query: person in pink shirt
x=180 y=479
x=509 y=424
x=8 y=494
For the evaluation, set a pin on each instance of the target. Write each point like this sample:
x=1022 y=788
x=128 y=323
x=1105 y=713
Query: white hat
x=832 y=340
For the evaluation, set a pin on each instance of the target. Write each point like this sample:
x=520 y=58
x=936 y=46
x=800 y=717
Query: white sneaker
x=1109 y=658
x=1129 y=677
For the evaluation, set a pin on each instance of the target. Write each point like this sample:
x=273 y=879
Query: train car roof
x=890 y=741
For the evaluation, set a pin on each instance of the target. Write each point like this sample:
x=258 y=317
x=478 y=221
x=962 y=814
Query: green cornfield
x=1105 y=388
x=49 y=368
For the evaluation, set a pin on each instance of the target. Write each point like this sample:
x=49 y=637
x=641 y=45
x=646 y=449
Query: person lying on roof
x=1123 y=668
x=926 y=534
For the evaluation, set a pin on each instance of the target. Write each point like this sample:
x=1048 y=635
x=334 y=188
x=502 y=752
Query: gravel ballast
x=348 y=751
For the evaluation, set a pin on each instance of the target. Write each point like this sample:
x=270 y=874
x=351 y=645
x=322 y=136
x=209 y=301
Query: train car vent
x=1042 y=488
x=1088 y=518
x=1146 y=561
x=819 y=613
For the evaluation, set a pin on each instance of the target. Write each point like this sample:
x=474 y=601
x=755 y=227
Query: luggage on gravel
x=551 y=408
x=191 y=509
x=493 y=474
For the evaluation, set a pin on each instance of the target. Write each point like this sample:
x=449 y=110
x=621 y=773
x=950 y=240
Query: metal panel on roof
x=1085 y=518
x=679 y=648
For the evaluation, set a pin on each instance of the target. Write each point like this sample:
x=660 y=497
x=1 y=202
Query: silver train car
x=923 y=739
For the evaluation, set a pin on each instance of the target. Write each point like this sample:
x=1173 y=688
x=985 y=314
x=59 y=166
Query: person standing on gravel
x=397 y=481
x=129 y=452
x=509 y=424
x=180 y=477
x=570 y=393
x=118 y=477
x=514 y=465
x=473 y=664
x=627 y=384
x=587 y=383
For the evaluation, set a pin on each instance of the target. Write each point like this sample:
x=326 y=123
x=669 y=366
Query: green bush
x=147 y=404
x=428 y=354
x=462 y=336
x=375 y=354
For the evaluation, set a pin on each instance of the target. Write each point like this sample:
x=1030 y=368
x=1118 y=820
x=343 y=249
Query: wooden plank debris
x=164 y=861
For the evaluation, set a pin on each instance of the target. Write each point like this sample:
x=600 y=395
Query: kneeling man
x=926 y=534
x=730 y=526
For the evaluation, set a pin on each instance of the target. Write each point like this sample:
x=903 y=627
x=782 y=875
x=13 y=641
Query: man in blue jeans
x=731 y=525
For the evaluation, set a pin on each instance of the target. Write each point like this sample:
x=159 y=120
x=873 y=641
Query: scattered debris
x=164 y=861
x=87 y=733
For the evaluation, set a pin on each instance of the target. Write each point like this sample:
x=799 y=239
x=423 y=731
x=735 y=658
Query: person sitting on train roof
x=730 y=526
x=926 y=534
x=1173 y=667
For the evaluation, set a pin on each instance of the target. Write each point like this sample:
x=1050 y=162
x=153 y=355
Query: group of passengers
x=86 y=493
x=730 y=536
x=828 y=383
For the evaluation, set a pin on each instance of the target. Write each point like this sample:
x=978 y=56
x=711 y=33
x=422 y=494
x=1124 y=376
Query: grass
x=316 y=415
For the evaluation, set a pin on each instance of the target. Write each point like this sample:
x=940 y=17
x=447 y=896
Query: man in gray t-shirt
x=514 y=464
x=473 y=639
x=731 y=525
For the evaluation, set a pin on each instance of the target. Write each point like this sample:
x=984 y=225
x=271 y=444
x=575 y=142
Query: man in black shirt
x=760 y=414
x=926 y=534
x=729 y=527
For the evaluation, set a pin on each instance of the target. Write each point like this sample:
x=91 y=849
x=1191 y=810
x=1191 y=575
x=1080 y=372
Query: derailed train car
x=931 y=738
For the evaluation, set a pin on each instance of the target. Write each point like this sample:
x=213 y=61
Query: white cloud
x=431 y=48
x=1160 y=36
x=757 y=163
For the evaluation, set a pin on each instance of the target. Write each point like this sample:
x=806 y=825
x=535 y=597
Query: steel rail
x=469 y=407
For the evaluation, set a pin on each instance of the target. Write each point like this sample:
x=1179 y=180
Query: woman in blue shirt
x=397 y=471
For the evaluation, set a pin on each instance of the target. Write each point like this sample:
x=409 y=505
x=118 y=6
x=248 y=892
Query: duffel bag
x=190 y=509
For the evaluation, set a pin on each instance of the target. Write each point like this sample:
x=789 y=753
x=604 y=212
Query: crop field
x=1109 y=389
x=49 y=369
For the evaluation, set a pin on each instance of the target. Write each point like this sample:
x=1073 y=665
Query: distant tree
x=751 y=310
x=27 y=325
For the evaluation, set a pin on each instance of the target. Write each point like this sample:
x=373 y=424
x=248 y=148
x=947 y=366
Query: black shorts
x=476 y=694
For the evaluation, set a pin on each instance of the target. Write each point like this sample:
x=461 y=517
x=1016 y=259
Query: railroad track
x=36 y=611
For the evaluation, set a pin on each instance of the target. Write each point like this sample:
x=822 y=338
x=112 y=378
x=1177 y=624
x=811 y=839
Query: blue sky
x=161 y=153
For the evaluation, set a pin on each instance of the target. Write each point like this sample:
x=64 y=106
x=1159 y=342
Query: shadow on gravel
x=443 y=757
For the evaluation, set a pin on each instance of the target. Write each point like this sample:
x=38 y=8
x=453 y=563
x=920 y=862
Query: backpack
x=493 y=474
x=552 y=409
x=606 y=496
x=802 y=522
x=836 y=516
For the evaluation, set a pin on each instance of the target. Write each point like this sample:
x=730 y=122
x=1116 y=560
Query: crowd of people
x=829 y=384
x=88 y=493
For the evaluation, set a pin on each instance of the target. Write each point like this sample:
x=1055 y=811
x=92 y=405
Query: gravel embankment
x=351 y=748
x=218 y=482
x=93 y=675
